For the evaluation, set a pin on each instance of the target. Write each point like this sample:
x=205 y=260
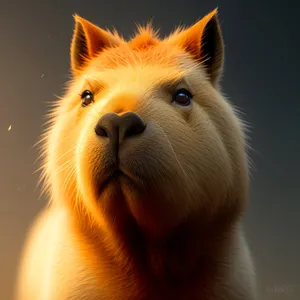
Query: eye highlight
x=87 y=98
x=182 y=97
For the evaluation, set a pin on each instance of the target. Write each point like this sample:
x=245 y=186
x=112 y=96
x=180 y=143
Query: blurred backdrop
x=261 y=77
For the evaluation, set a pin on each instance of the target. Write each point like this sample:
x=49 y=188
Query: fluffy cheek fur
x=146 y=160
x=187 y=161
x=195 y=159
x=61 y=165
x=179 y=146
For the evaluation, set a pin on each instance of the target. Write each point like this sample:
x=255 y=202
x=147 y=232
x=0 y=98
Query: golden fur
x=169 y=228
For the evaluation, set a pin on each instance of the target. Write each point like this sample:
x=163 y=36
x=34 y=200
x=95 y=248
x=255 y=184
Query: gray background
x=262 y=64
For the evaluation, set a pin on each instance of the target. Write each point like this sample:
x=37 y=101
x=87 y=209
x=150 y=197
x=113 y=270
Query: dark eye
x=182 y=97
x=87 y=98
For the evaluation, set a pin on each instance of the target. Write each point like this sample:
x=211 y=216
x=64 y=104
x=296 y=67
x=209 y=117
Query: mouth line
x=113 y=176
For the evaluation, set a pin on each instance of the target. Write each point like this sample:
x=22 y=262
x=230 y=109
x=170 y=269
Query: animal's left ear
x=204 y=42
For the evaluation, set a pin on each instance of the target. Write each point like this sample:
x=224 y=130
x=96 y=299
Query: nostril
x=135 y=129
x=131 y=125
x=117 y=128
x=108 y=126
x=100 y=131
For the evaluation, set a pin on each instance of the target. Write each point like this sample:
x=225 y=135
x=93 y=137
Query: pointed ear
x=204 y=42
x=88 y=40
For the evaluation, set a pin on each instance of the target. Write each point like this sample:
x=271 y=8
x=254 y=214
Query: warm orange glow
x=182 y=193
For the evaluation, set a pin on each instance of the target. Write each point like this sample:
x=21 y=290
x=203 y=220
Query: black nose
x=119 y=127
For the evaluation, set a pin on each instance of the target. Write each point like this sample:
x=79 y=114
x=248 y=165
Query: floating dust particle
x=9 y=128
x=42 y=75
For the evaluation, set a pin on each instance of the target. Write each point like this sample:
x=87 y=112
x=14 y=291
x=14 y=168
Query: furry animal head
x=144 y=133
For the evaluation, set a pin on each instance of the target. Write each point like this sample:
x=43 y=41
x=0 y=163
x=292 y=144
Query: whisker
x=64 y=154
x=41 y=178
x=69 y=178
x=38 y=169
x=41 y=140
x=175 y=155
x=45 y=150
x=65 y=165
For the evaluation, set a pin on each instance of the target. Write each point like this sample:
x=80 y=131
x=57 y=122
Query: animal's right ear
x=88 y=40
